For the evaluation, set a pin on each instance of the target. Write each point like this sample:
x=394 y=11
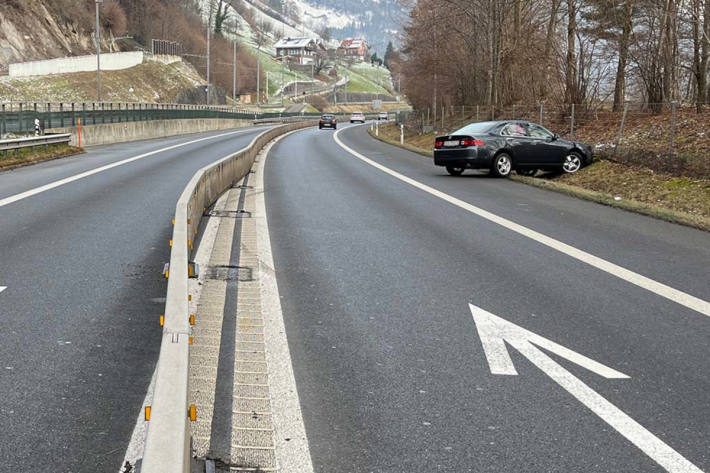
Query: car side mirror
x=555 y=137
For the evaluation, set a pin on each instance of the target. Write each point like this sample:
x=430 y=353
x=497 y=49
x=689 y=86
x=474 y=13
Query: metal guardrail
x=18 y=143
x=19 y=117
x=167 y=447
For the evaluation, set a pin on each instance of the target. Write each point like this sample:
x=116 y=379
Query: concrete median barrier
x=167 y=446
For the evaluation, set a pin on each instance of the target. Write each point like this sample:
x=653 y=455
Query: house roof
x=351 y=43
x=294 y=43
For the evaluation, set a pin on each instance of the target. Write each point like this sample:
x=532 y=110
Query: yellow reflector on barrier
x=193 y=413
x=189 y=297
x=147 y=413
x=171 y=243
x=172 y=221
x=192 y=319
x=162 y=320
x=190 y=339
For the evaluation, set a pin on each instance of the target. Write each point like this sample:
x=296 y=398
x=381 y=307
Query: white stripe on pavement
x=76 y=177
x=656 y=287
x=2 y=288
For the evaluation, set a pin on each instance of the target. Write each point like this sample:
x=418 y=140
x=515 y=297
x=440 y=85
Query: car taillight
x=335 y=120
x=320 y=121
x=471 y=142
x=438 y=144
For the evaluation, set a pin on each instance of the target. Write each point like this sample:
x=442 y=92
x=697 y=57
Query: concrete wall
x=109 y=62
x=108 y=133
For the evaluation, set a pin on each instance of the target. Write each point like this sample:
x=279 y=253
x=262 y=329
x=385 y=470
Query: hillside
x=147 y=82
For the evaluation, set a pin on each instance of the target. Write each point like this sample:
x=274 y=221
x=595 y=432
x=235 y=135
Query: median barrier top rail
x=167 y=447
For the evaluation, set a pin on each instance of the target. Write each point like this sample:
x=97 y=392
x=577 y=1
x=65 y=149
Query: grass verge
x=27 y=156
x=641 y=190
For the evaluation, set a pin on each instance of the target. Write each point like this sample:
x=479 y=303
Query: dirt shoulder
x=676 y=199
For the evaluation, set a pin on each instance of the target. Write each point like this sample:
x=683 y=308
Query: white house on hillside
x=303 y=50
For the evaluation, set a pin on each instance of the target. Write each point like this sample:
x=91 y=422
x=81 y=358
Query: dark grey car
x=504 y=146
x=327 y=121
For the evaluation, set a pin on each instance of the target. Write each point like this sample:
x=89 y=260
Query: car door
x=547 y=149
x=518 y=143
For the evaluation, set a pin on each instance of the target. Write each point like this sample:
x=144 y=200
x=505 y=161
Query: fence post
x=3 y=127
x=401 y=133
x=673 y=111
x=493 y=112
x=443 y=111
x=61 y=114
x=476 y=112
x=20 y=120
x=513 y=112
x=621 y=127
x=83 y=113
x=463 y=112
x=73 y=115
x=571 y=123
x=541 y=113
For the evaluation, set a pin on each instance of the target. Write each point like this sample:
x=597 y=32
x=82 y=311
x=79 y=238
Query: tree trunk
x=620 y=84
x=571 y=67
x=702 y=82
x=551 y=27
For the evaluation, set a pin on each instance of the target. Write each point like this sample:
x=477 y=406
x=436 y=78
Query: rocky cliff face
x=30 y=31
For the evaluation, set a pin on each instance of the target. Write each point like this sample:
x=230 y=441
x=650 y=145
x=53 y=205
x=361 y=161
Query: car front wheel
x=454 y=171
x=572 y=163
x=502 y=165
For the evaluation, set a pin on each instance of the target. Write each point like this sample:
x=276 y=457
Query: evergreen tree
x=388 y=54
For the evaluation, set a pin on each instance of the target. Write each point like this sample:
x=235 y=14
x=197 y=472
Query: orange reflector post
x=147 y=413
x=192 y=319
x=190 y=339
x=193 y=412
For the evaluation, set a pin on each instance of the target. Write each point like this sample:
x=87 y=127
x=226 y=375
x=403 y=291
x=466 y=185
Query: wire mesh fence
x=666 y=137
x=19 y=117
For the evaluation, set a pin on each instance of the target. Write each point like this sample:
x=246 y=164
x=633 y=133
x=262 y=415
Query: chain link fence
x=19 y=117
x=666 y=137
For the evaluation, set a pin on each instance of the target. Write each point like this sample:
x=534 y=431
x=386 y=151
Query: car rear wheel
x=526 y=171
x=572 y=163
x=454 y=171
x=502 y=165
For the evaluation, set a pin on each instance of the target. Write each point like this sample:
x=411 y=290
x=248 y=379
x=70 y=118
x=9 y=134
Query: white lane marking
x=2 y=288
x=495 y=331
x=76 y=177
x=292 y=455
x=682 y=298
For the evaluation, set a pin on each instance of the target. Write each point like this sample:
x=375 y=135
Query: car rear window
x=327 y=116
x=473 y=128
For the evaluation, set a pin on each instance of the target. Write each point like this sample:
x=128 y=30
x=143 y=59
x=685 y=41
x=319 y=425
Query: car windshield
x=474 y=128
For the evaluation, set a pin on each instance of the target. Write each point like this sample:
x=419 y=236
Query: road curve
x=376 y=278
x=82 y=264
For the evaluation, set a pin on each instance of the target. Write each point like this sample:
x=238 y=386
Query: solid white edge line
x=293 y=455
x=682 y=298
x=76 y=177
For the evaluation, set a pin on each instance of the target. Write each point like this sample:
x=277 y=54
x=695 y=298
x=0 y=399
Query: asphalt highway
x=376 y=277
x=82 y=266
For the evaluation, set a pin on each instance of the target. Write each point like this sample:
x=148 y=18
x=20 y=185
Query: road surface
x=81 y=292
x=378 y=280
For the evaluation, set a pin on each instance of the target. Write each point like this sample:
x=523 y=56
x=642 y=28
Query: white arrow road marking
x=649 y=284
x=495 y=332
x=2 y=288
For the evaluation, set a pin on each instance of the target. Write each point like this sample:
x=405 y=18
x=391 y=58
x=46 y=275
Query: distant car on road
x=383 y=116
x=327 y=120
x=504 y=146
x=357 y=117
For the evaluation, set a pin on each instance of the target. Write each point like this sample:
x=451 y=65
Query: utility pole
x=209 y=34
x=98 y=49
x=234 y=80
x=258 y=73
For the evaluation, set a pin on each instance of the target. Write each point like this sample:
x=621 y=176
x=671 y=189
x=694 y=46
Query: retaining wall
x=92 y=135
x=109 y=62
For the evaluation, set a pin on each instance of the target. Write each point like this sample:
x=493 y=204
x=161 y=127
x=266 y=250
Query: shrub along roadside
x=27 y=156
x=671 y=198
